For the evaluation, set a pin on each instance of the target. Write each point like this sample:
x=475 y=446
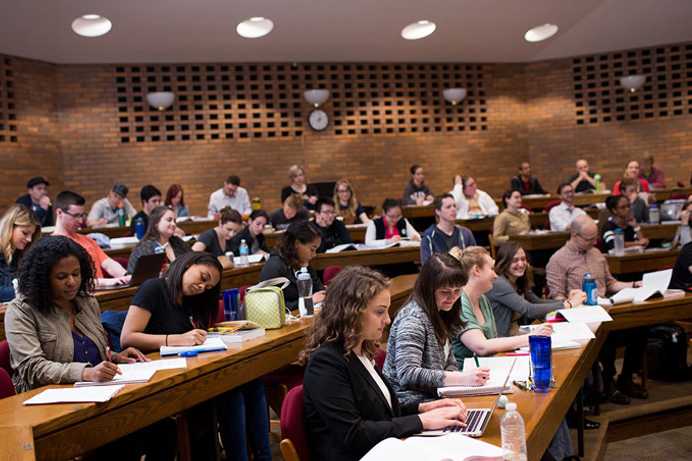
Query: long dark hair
x=172 y=192
x=440 y=271
x=36 y=265
x=179 y=246
x=507 y=195
x=303 y=232
x=503 y=259
x=203 y=307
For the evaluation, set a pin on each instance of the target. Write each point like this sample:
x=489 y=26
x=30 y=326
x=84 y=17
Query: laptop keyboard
x=475 y=421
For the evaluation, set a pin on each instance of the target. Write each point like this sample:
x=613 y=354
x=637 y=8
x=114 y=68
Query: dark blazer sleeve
x=538 y=189
x=328 y=384
x=515 y=183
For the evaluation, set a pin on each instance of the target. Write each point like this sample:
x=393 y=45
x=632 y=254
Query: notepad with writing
x=500 y=365
x=449 y=447
x=212 y=344
x=138 y=372
x=97 y=394
x=497 y=382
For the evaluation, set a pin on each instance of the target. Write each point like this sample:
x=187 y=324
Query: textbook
x=449 y=447
x=654 y=284
x=237 y=331
x=138 y=372
x=212 y=344
x=98 y=394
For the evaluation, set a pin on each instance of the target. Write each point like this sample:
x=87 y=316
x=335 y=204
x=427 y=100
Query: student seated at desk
x=159 y=238
x=419 y=356
x=176 y=311
x=69 y=217
x=216 y=240
x=561 y=216
x=391 y=226
x=297 y=247
x=631 y=171
x=584 y=180
x=514 y=220
x=653 y=175
x=253 y=234
x=291 y=211
x=622 y=219
x=512 y=297
x=299 y=186
x=682 y=270
x=55 y=335
x=332 y=230
x=151 y=198
x=230 y=195
x=640 y=208
x=19 y=229
x=37 y=200
x=684 y=233
x=446 y=234
x=565 y=272
x=106 y=211
x=348 y=207
x=471 y=201
x=416 y=191
x=525 y=183
x=176 y=201
x=349 y=405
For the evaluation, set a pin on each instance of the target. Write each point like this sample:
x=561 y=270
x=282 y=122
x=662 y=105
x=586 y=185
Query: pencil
x=475 y=359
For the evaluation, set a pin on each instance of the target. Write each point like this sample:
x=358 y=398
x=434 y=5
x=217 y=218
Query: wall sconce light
x=316 y=97
x=633 y=82
x=454 y=95
x=161 y=100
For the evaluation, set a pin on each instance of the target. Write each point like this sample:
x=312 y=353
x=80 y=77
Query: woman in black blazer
x=349 y=405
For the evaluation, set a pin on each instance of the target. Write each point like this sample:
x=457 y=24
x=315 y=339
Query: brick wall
x=69 y=131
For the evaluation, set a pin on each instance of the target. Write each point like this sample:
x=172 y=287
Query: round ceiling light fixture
x=91 y=25
x=255 y=27
x=540 y=33
x=419 y=29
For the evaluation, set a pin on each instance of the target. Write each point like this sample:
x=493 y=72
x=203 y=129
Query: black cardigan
x=276 y=266
x=346 y=413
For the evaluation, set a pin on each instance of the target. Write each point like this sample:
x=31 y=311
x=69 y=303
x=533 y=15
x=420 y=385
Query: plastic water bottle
x=619 y=242
x=121 y=218
x=139 y=228
x=654 y=214
x=597 y=181
x=244 y=252
x=513 y=434
x=590 y=287
x=304 y=283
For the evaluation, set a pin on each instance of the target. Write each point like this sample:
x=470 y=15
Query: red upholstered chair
x=5 y=356
x=294 y=446
x=329 y=273
x=551 y=204
x=6 y=386
x=380 y=355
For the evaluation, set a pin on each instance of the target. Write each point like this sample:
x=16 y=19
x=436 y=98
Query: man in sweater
x=445 y=234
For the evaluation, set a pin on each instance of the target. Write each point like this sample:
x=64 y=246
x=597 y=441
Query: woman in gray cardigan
x=512 y=296
x=419 y=357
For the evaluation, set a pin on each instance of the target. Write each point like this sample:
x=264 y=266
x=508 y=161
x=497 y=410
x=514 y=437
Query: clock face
x=318 y=120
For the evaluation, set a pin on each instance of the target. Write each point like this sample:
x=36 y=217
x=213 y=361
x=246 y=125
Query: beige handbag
x=265 y=304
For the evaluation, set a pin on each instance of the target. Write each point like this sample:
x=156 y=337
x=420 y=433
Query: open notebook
x=212 y=344
x=139 y=372
x=501 y=370
x=653 y=284
x=449 y=447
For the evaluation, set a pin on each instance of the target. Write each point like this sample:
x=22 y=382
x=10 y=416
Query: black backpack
x=666 y=353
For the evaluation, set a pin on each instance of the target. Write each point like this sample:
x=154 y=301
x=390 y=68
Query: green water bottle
x=597 y=180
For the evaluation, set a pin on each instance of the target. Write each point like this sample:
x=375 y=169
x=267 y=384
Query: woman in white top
x=391 y=226
x=471 y=201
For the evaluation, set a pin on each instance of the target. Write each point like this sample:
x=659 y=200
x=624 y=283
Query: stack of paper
x=139 y=372
x=449 y=447
x=212 y=344
x=653 y=283
x=96 y=394
x=240 y=336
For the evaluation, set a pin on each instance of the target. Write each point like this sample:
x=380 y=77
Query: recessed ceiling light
x=540 y=33
x=418 y=30
x=91 y=25
x=255 y=27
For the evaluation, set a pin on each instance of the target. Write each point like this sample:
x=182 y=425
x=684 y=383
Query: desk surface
x=639 y=263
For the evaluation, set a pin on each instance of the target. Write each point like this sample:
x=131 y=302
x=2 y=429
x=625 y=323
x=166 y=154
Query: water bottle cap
x=303 y=269
x=618 y=230
x=242 y=240
x=511 y=406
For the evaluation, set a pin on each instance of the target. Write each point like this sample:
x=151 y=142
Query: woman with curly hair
x=55 y=335
x=347 y=205
x=19 y=228
x=298 y=246
x=349 y=405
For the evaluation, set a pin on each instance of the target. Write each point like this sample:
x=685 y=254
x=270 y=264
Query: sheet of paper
x=211 y=344
x=252 y=259
x=586 y=314
x=574 y=331
x=500 y=366
x=128 y=375
x=494 y=385
x=448 y=447
x=75 y=395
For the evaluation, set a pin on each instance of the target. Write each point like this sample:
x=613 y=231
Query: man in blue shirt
x=446 y=234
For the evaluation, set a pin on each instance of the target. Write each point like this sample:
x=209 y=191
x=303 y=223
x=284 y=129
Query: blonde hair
x=349 y=214
x=295 y=170
x=15 y=216
x=469 y=257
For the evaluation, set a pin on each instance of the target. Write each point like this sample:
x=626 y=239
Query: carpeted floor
x=674 y=445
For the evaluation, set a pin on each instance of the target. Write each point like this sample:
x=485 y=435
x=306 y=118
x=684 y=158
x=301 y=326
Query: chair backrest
x=380 y=356
x=5 y=356
x=551 y=204
x=329 y=273
x=293 y=427
x=6 y=386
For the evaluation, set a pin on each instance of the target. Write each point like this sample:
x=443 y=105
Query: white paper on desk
x=557 y=343
x=448 y=447
x=96 y=394
x=342 y=247
x=252 y=259
x=652 y=283
x=501 y=365
x=128 y=375
x=124 y=242
x=211 y=344
x=570 y=331
x=586 y=314
x=494 y=385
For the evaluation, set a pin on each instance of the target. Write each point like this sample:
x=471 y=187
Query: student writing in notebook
x=176 y=311
x=332 y=230
x=349 y=405
x=216 y=240
x=419 y=356
x=253 y=234
x=55 y=335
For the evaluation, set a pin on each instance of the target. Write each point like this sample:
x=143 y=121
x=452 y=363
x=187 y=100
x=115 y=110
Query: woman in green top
x=478 y=335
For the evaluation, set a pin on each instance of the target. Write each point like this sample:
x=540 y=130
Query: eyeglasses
x=76 y=216
x=449 y=293
x=342 y=191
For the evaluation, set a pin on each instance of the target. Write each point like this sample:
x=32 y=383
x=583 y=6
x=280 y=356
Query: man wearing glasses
x=564 y=272
x=333 y=231
x=69 y=218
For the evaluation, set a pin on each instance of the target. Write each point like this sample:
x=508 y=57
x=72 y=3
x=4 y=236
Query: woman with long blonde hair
x=18 y=229
x=349 y=404
x=347 y=205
